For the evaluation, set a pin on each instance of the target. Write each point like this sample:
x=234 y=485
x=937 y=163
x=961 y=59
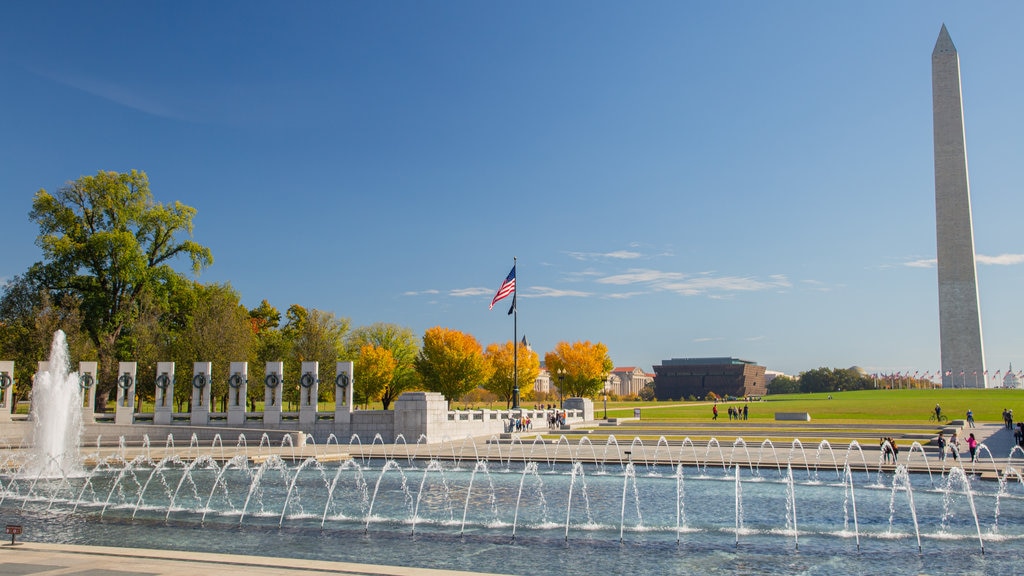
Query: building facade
x=627 y=381
x=684 y=377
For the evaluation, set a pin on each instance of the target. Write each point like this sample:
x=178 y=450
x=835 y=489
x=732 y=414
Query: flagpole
x=515 y=341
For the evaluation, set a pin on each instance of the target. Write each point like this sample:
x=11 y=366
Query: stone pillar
x=6 y=389
x=124 y=413
x=273 y=382
x=309 y=388
x=421 y=414
x=584 y=404
x=202 y=377
x=163 y=412
x=238 y=386
x=344 y=382
x=87 y=384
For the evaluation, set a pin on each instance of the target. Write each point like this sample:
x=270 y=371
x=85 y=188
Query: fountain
x=536 y=504
x=57 y=416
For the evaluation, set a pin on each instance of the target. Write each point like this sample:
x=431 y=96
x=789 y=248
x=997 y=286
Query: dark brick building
x=684 y=377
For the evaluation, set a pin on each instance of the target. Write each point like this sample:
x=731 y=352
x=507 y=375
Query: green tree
x=217 y=330
x=401 y=343
x=502 y=366
x=580 y=369
x=450 y=362
x=29 y=317
x=314 y=336
x=270 y=345
x=108 y=243
x=783 y=385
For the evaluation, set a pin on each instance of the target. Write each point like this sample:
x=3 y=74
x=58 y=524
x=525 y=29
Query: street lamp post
x=606 y=404
x=561 y=382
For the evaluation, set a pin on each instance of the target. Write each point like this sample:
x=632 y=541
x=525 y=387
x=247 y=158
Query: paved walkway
x=37 y=559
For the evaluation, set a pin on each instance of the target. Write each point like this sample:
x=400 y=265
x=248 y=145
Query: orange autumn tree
x=451 y=362
x=500 y=359
x=579 y=369
x=376 y=370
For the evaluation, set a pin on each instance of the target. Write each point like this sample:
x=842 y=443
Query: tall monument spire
x=963 y=354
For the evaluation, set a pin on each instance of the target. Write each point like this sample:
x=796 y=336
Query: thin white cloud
x=640 y=276
x=624 y=295
x=1001 y=260
x=615 y=255
x=459 y=292
x=113 y=92
x=706 y=284
x=546 y=292
x=707 y=339
x=420 y=292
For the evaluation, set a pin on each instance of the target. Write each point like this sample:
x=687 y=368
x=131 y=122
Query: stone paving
x=37 y=559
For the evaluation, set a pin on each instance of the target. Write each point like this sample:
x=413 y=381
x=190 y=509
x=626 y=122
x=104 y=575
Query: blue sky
x=677 y=179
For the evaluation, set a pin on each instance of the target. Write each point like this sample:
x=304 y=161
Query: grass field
x=859 y=406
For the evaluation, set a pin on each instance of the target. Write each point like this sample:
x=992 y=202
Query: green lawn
x=865 y=405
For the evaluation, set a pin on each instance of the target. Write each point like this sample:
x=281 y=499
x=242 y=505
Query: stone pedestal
x=420 y=414
x=163 y=411
x=124 y=413
x=584 y=404
x=273 y=382
x=87 y=384
x=344 y=383
x=202 y=378
x=309 y=388
x=6 y=389
x=238 y=386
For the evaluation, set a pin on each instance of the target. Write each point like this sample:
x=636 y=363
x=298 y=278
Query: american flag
x=507 y=287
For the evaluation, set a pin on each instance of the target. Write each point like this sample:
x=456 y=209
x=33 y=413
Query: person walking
x=970 y=418
x=942 y=447
x=972 y=445
x=714 y=412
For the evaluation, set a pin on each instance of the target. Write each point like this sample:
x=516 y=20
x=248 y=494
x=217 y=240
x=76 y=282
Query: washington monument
x=963 y=354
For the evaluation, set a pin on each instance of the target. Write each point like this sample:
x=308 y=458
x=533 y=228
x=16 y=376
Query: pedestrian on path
x=970 y=418
x=942 y=447
x=714 y=412
x=972 y=445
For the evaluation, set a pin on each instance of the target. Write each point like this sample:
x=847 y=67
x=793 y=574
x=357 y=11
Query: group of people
x=954 y=446
x=890 y=451
x=735 y=413
x=520 y=424
x=1008 y=418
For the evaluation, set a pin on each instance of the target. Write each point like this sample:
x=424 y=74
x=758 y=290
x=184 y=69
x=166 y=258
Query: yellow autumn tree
x=451 y=362
x=376 y=370
x=579 y=369
x=501 y=363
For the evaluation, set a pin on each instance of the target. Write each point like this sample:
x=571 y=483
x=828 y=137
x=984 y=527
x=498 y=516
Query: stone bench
x=801 y=416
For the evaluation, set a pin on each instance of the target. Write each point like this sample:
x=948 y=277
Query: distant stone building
x=684 y=377
x=627 y=381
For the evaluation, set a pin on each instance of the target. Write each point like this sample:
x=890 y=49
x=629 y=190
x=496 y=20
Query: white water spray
x=57 y=416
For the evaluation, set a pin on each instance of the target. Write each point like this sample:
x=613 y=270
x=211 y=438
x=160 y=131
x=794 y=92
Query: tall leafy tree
x=109 y=243
x=402 y=345
x=217 y=330
x=451 y=362
x=580 y=368
x=376 y=371
x=270 y=345
x=314 y=335
x=502 y=365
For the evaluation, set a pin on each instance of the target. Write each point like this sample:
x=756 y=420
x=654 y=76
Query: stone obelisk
x=963 y=354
